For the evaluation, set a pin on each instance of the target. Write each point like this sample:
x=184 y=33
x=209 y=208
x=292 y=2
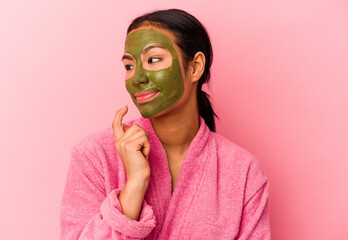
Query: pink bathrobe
x=221 y=192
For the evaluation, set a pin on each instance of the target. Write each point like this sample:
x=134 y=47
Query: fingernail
x=126 y=104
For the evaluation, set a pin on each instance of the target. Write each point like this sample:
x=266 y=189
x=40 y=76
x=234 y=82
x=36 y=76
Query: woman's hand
x=133 y=146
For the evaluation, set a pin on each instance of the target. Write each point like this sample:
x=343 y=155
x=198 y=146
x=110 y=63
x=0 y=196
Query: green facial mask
x=168 y=81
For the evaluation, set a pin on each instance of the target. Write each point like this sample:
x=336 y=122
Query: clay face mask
x=153 y=89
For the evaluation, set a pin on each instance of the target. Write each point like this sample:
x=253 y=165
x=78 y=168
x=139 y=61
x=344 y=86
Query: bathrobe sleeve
x=87 y=212
x=255 y=224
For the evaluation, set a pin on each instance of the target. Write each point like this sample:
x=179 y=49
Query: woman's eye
x=153 y=60
x=129 y=67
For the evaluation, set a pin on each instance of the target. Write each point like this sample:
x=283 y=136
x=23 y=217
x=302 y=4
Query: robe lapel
x=158 y=194
x=170 y=210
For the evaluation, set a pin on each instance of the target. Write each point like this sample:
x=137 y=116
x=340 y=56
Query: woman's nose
x=140 y=78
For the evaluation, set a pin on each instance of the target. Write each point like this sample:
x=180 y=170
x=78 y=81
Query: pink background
x=279 y=85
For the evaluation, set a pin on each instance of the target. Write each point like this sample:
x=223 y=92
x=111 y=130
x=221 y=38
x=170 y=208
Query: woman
x=167 y=175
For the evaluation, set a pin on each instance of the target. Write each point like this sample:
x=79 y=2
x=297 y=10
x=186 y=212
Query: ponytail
x=205 y=109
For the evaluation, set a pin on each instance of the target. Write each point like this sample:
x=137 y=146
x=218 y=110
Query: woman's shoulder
x=98 y=145
x=226 y=147
x=234 y=157
x=239 y=163
x=103 y=138
x=95 y=156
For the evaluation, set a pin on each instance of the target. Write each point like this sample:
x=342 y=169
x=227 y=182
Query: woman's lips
x=145 y=96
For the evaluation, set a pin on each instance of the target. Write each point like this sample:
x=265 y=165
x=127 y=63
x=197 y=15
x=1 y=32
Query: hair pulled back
x=191 y=37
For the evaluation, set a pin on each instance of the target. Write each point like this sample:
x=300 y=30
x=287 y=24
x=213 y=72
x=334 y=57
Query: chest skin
x=175 y=163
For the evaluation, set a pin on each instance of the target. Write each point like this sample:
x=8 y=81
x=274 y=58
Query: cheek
x=166 y=79
x=129 y=85
x=129 y=74
x=157 y=77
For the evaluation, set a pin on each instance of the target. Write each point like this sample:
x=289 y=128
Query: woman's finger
x=132 y=130
x=146 y=148
x=125 y=127
x=140 y=142
x=117 y=123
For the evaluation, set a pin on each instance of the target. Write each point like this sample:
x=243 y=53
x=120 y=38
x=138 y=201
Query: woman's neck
x=177 y=130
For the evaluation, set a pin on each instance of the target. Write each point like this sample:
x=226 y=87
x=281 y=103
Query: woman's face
x=154 y=78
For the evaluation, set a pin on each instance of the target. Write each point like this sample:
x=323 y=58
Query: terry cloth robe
x=221 y=192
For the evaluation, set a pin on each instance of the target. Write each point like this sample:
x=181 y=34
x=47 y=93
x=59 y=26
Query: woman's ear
x=198 y=64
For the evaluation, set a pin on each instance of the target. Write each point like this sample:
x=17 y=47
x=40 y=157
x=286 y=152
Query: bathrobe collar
x=159 y=193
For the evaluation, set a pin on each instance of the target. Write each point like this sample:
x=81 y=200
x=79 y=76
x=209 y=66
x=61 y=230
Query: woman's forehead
x=141 y=37
x=154 y=29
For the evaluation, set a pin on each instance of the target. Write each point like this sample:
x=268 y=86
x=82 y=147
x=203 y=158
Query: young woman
x=167 y=175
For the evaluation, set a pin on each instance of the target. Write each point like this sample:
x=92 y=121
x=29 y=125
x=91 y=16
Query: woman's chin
x=151 y=114
x=148 y=113
x=153 y=110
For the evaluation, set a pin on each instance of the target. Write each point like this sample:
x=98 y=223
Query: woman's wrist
x=139 y=179
x=138 y=184
x=131 y=198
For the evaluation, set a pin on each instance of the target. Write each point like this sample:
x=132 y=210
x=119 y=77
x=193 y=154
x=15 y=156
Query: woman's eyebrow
x=127 y=57
x=148 y=48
